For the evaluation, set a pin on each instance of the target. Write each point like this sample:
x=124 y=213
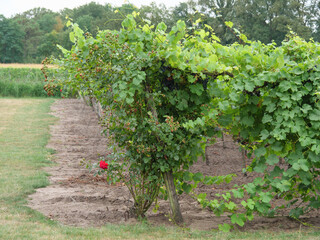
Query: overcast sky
x=8 y=8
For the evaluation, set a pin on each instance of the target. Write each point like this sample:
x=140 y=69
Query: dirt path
x=75 y=197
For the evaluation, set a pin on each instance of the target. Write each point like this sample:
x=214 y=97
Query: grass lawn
x=24 y=133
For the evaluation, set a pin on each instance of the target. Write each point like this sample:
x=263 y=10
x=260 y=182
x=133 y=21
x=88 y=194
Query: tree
x=86 y=22
x=314 y=19
x=92 y=9
x=59 y=26
x=216 y=13
x=264 y=20
x=271 y=20
x=93 y=17
x=36 y=23
x=47 y=22
x=185 y=11
x=34 y=13
x=31 y=38
x=48 y=45
x=11 y=36
x=156 y=13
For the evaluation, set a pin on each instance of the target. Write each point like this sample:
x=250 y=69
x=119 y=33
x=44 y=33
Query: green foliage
x=149 y=90
x=47 y=22
x=163 y=91
x=276 y=115
x=11 y=35
x=42 y=30
x=273 y=24
x=143 y=188
x=187 y=181
x=262 y=20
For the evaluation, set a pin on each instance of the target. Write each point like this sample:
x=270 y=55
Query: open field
x=24 y=80
x=22 y=65
x=24 y=134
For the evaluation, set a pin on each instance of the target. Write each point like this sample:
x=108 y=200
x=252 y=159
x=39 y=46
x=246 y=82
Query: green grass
x=24 y=133
x=24 y=82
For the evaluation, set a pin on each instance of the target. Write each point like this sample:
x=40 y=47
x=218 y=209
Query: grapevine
x=164 y=92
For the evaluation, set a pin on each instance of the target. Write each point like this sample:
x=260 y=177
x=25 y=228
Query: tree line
x=31 y=36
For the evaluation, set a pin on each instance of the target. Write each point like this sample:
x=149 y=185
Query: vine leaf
x=238 y=219
x=225 y=227
x=261 y=151
x=272 y=159
x=265 y=197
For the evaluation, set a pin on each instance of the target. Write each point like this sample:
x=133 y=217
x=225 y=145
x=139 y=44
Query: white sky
x=8 y=8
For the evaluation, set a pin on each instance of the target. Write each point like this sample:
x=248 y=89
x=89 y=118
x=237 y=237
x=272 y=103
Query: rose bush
x=103 y=164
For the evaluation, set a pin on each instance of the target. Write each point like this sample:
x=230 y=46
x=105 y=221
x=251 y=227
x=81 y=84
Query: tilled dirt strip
x=76 y=197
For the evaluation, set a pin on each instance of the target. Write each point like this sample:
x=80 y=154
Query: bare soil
x=76 y=197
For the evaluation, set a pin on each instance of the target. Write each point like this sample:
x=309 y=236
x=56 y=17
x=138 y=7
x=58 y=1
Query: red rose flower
x=103 y=164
